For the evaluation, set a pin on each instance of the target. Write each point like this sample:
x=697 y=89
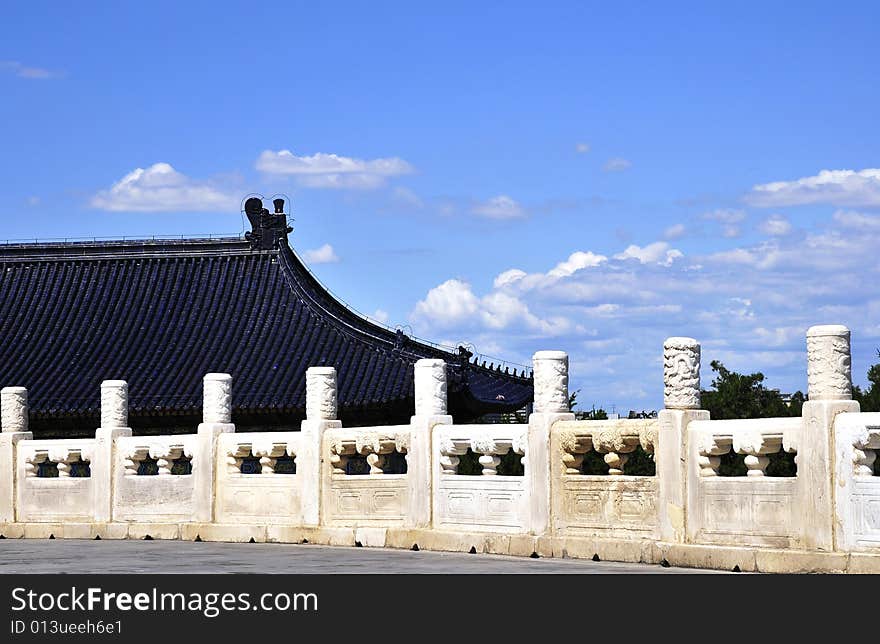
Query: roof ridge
x=124 y=248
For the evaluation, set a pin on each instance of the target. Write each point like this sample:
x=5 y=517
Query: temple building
x=161 y=314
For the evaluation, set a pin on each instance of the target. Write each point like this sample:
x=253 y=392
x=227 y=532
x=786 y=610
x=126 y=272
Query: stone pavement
x=129 y=556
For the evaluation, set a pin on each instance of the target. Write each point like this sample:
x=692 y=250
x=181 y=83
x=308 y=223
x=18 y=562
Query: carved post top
x=430 y=387
x=550 y=355
x=321 y=371
x=114 y=403
x=550 y=381
x=430 y=363
x=321 y=393
x=217 y=407
x=217 y=377
x=681 y=343
x=14 y=409
x=829 y=363
x=821 y=330
x=681 y=373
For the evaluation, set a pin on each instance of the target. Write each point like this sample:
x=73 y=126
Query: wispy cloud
x=675 y=231
x=728 y=218
x=776 y=226
x=582 y=148
x=850 y=188
x=161 y=188
x=322 y=170
x=26 y=71
x=323 y=255
x=857 y=220
x=617 y=164
x=500 y=207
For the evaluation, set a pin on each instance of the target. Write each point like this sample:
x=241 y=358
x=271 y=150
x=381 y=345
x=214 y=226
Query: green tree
x=572 y=399
x=736 y=395
x=869 y=399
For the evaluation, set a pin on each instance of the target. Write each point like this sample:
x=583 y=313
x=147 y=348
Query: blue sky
x=576 y=176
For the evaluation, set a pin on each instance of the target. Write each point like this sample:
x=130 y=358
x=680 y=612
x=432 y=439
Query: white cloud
x=617 y=164
x=725 y=215
x=408 y=198
x=728 y=218
x=161 y=188
x=380 y=316
x=451 y=302
x=331 y=170
x=500 y=207
x=454 y=304
x=582 y=148
x=857 y=220
x=575 y=262
x=33 y=201
x=656 y=253
x=749 y=305
x=25 y=71
x=509 y=277
x=836 y=187
x=323 y=255
x=776 y=226
x=675 y=231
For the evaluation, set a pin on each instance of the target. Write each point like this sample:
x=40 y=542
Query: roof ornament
x=400 y=340
x=267 y=229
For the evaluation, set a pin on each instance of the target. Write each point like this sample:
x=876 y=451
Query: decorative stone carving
x=829 y=368
x=616 y=447
x=321 y=393
x=681 y=373
x=217 y=398
x=865 y=446
x=551 y=382
x=163 y=452
x=376 y=444
x=431 y=387
x=615 y=439
x=114 y=404
x=14 y=409
x=62 y=455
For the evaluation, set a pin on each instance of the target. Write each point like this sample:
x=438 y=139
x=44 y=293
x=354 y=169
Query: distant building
x=161 y=314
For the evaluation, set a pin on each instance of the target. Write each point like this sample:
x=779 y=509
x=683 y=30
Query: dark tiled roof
x=162 y=314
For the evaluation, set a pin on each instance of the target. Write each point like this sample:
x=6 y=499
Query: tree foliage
x=736 y=395
x=869 y=399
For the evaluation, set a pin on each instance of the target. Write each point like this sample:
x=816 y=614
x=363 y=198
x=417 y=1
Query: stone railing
x=258 y=479
x=776 y=494
x=484 y=500
x=54 y=480
x=365 y=476
x=857 y=485
x=750 y=509
x=592 y=492
x=154 y=478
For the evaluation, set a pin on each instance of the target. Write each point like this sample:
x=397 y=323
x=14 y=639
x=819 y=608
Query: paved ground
x=125 y=556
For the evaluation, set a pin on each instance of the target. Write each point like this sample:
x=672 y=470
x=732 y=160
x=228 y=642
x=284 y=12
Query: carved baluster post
x=829 y=387
x=321 y=412
x=550 y=370
x=114 y=423
x=429 y=377
x=14 y=422
x=216 y=420
x=681 y=401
